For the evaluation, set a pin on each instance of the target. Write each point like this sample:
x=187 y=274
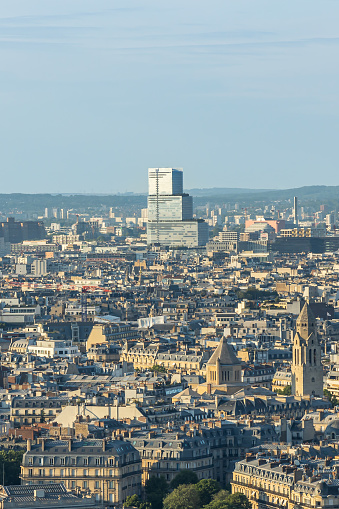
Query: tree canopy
x=207 y=488
x=10 y=462
x=156 y=488
x=224 y=500
x=186 y=496
x=184 y=477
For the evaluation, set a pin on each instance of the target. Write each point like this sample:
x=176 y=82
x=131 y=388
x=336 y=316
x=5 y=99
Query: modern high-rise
x=170 y=211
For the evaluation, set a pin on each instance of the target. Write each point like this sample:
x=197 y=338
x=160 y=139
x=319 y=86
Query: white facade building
x=19 y=314
x=170 y=211
x=168 y=181
x=53 y=348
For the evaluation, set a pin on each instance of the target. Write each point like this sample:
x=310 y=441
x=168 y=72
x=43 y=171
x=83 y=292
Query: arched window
x=310 y=356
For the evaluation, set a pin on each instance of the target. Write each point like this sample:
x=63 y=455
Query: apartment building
x=32 y=410
x=270 y=484
x=165 y=454
x=108 y=470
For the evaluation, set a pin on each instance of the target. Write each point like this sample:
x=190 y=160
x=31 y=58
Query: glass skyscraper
x=170 y=211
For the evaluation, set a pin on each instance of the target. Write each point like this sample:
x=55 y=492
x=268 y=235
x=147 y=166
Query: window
x=85 y=461
x=97 y=461
x=30 y=461
x=97 y=485
x=51 y=461
x=85 y=484
x=62 y=461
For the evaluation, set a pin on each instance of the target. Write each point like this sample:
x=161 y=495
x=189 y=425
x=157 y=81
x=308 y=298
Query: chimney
x=104 y=445
x=70 y=445
x=29 y=445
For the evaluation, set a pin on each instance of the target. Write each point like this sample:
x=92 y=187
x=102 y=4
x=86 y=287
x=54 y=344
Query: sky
x=238 y=93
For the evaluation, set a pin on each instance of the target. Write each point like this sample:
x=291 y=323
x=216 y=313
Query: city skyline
x=91 y=96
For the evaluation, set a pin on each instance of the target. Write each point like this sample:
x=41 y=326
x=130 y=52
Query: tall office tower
x=170 y=211
x=295 y=210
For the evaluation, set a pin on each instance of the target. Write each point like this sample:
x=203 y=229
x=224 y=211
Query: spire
x=306 y=316
x=305 y=326
x=224 y=353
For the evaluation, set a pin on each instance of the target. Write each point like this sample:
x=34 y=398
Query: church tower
x=307 y=371
x=224 y=367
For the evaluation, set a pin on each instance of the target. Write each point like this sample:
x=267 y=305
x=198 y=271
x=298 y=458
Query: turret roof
x=224 y=353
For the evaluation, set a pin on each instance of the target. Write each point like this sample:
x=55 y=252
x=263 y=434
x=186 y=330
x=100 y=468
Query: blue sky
x=238 y=93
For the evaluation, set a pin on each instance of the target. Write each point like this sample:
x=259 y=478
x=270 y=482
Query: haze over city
x=239 y=94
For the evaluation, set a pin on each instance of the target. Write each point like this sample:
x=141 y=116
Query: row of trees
x=186 y=492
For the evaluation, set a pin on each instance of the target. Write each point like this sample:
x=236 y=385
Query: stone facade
x=307 y=371
x=108 y=470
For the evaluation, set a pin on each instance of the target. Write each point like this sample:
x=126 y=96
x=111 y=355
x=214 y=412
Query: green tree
x=331 y=397
x=10 y=463
x=184 y=477
x=156 y=488
x=133 y=501
x=158 y=369
x=238 y=501
x=207 y=488
x=286 y=391
x=186 y=496
x=223 y=500
x=219 y=500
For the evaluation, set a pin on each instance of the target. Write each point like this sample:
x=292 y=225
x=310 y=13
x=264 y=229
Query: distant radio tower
x=295 y=210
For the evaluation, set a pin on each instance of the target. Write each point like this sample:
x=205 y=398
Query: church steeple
x=307 y=372
x=306 y=324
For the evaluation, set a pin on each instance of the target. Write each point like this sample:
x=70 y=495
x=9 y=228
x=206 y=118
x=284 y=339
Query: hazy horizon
x=239 y=94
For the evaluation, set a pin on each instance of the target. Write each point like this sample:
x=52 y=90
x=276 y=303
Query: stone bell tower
x=307 y=371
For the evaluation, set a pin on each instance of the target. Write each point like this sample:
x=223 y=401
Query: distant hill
x=214 y=191
x=14 y=204
x=304 y=194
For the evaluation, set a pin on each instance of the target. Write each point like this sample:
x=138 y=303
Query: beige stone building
x=144 y=357
x=105 y=334
x=166 y=454
x=108 y=470
x=223 y=371
x=269 y=484
x=307 y=371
